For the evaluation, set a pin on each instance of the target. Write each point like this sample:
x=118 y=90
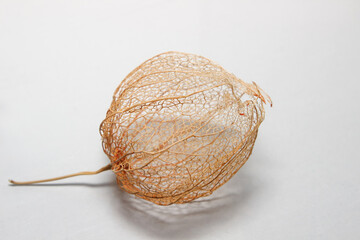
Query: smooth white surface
x=60 y=62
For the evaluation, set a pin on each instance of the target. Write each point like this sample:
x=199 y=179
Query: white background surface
x=60 y=62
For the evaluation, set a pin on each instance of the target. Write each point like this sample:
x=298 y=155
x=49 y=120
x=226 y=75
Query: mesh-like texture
x=179 y=127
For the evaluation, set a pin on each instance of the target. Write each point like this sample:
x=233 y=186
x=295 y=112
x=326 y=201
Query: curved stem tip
x=107 y=167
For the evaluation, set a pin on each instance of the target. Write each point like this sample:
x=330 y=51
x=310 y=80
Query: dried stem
x=107 y=167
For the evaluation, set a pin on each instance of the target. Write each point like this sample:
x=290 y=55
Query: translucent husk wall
x=179 y=127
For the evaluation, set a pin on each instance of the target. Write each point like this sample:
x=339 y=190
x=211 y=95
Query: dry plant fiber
x=178 y=128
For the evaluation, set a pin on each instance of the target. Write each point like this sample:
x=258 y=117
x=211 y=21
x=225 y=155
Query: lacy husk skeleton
x=179 y=127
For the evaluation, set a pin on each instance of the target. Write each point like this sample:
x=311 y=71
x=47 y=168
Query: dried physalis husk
x=178 y=128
